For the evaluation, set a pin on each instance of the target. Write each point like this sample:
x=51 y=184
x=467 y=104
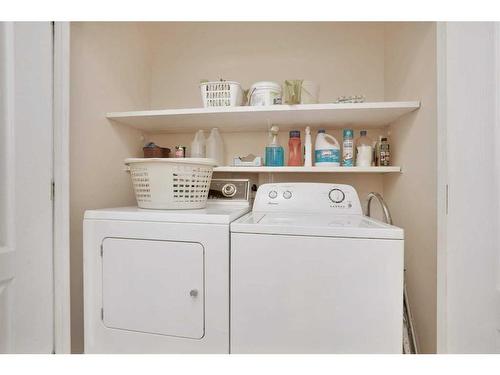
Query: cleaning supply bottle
x=215 y=147
x=275 y=155
x=384 y=156
x=326 y=150
x=348 y=148
x=364 y=150
x=198 y=146
x=308 y=148
x=294 y=149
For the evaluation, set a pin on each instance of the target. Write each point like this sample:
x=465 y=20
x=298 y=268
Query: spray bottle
x=308 y=148
x=275 y=155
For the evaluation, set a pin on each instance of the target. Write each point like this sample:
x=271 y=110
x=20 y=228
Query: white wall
x=110 y=71
x=469 y=289
x=410 y=73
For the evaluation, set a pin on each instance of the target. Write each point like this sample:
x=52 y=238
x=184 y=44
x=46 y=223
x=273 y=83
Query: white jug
x=215 y=147
x=198 y=146
x=326 y=150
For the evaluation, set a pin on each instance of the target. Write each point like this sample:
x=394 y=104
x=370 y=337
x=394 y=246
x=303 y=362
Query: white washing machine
x=311 y=274
x=157 y=281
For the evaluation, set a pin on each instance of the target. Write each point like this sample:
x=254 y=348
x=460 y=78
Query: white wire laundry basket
x=221 y=94
x=179 y=184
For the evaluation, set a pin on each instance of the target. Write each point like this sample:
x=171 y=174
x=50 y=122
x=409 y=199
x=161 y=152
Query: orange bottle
x=295 y=149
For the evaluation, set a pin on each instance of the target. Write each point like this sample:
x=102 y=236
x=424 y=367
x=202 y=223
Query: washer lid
x=324 y=225
x=214 y=213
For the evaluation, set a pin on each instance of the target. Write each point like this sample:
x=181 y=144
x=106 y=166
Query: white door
x=469 y=256
x=26 y=286
x=153 y=287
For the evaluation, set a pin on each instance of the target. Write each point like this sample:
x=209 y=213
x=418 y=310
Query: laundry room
x=137 y=85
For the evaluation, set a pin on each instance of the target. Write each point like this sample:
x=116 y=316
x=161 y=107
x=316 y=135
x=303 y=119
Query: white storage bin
x=171 y=183
x=265 y=93
x=221 y=94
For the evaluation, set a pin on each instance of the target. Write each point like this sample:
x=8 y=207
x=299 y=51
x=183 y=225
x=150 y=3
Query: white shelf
x=392 y=169
x=232 y=119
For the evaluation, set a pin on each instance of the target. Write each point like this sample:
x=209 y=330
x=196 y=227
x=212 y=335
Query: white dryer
x=311 y=274
x=157 y=281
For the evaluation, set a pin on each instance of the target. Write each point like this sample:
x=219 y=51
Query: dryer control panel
x=307 y=198
x=230 y=189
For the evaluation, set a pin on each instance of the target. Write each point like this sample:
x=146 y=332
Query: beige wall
x=345 y=58
x=410 y=73
x=110 y=71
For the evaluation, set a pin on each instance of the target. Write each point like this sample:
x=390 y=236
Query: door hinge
x=52 y=190
x=101 y=250
x=446 y=199
x=102 y=314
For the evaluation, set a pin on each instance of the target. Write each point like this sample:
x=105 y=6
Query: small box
x=247 y=161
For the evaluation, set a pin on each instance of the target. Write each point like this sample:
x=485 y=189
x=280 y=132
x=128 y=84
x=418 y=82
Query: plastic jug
x=198 y=146
x=326 y=150
x=215 y=147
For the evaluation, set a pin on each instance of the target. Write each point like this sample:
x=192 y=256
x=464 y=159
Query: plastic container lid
x=321 y=131
x=348 y=133
x=265 y=85
x=295 y=134
x=362 y=133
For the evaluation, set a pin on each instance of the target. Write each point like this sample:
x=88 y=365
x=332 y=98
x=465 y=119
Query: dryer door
x=153 y=286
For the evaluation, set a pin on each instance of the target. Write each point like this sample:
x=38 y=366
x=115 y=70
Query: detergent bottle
x=294 y=149
x=326 y=150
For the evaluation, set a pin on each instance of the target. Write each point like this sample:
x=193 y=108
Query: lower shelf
x=392 y=169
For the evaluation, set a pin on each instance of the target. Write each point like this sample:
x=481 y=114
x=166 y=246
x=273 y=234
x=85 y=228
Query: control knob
x=336 y=195
x=273 y=194
x=229 y=190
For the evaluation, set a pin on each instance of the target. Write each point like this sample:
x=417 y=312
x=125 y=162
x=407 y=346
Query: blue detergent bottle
x=275 y=155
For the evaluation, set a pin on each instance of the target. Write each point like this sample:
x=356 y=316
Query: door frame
x=442 y=193
x=61 y=104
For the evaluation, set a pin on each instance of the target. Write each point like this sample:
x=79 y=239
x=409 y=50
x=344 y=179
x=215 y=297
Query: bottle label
x=331 y=155
x=348 y=153
x=384 y=155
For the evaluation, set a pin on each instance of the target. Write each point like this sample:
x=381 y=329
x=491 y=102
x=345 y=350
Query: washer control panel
x=308 y=198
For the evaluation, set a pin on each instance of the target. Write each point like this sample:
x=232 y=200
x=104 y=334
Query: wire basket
x=221 y=94
x=179 y=184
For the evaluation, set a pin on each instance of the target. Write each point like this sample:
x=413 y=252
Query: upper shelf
x=245 y=118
